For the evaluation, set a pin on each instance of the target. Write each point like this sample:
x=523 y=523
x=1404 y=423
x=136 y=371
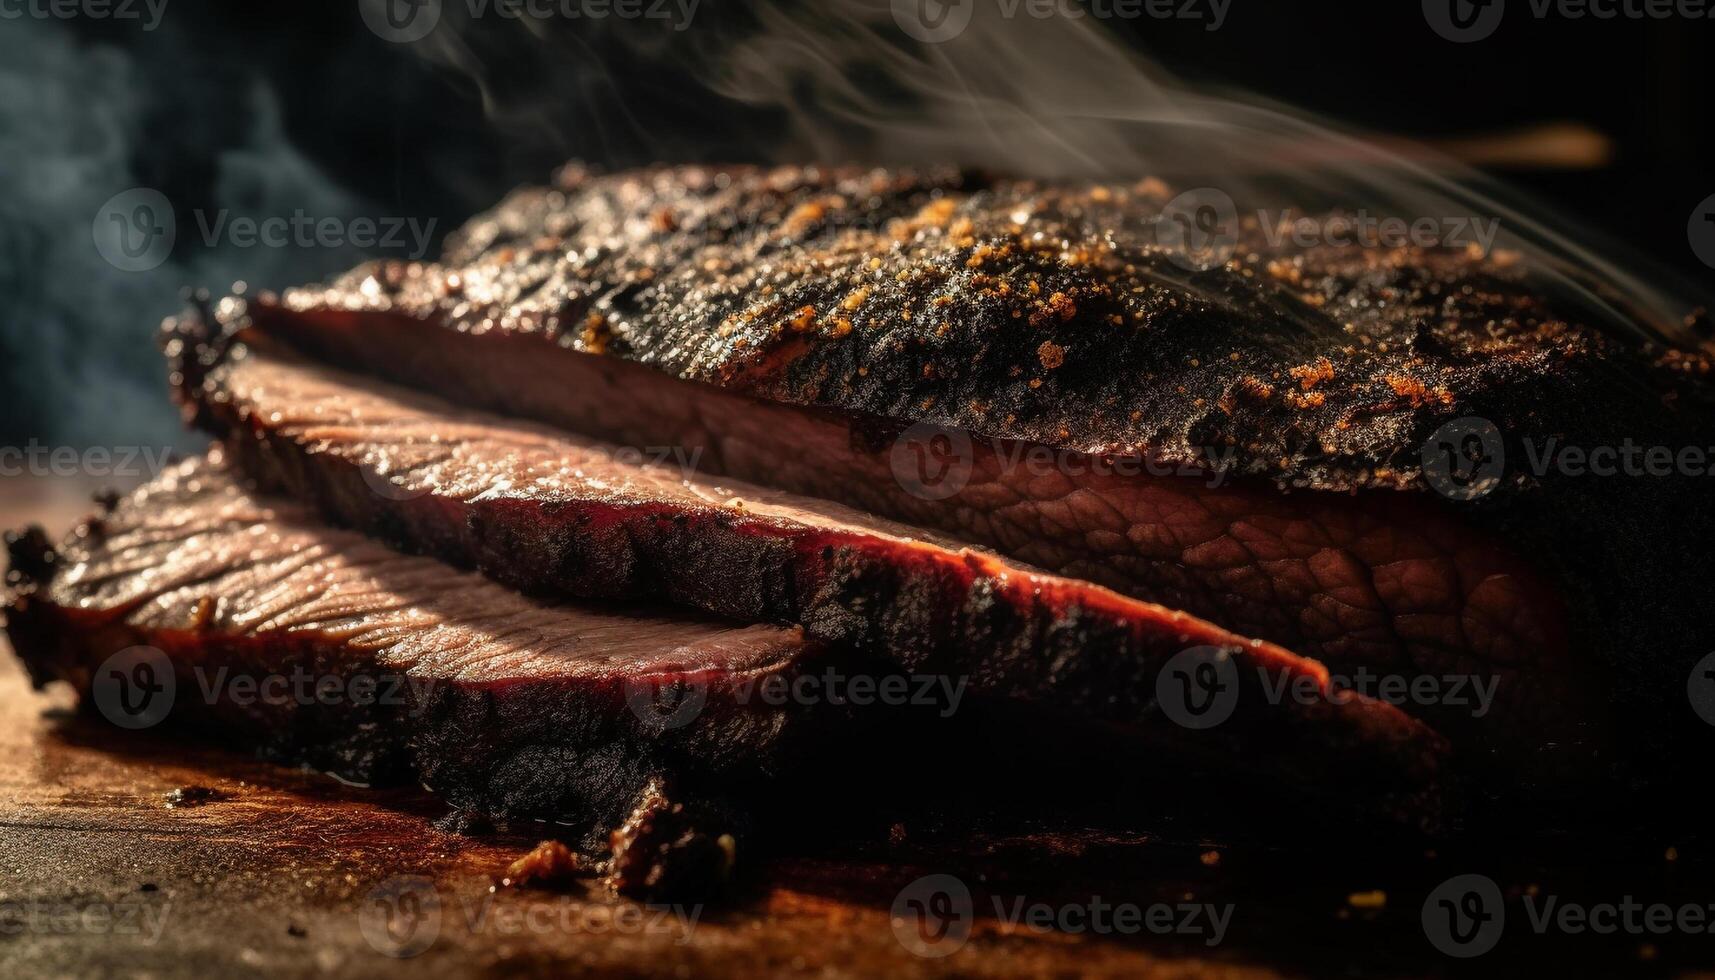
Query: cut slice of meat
x=547 y=510
x=550 y=512
x=513 y=706
x=320 y=646
x=789 y=324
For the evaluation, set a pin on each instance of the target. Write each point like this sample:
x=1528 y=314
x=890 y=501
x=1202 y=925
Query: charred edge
x=107 y=500
x=31 y=558
x=665 y=851
x=195 y=343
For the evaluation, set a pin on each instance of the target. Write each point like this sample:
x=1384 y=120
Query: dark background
x=263 y=108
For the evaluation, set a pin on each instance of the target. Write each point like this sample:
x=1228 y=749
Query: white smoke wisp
x=79 y=333
x=1049 y=97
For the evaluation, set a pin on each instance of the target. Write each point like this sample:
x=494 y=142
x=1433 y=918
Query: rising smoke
x=80 y=123
x=777 y=80
x=843 y=80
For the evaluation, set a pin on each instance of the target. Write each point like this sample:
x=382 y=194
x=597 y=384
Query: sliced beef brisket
x=320 y=646
x=786 y=326
x=522 y=708
x=549 y=511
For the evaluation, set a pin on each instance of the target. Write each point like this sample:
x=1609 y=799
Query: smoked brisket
x=793 y=327
x=514 y=707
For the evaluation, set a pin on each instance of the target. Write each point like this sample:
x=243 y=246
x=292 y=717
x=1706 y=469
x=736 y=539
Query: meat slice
x=792 y=326
x=323 y=647
x=1381 y=587
x=550 y=512
x=518 y=707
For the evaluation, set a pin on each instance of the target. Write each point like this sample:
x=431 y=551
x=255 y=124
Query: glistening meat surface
x=522 y=708
x=501 y=704
x=1381 y=584
x=790 y=323
x=550 y=512
x=1045 y=312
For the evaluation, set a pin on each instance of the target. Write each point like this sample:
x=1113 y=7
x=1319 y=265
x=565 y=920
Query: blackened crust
x=1045 y=312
